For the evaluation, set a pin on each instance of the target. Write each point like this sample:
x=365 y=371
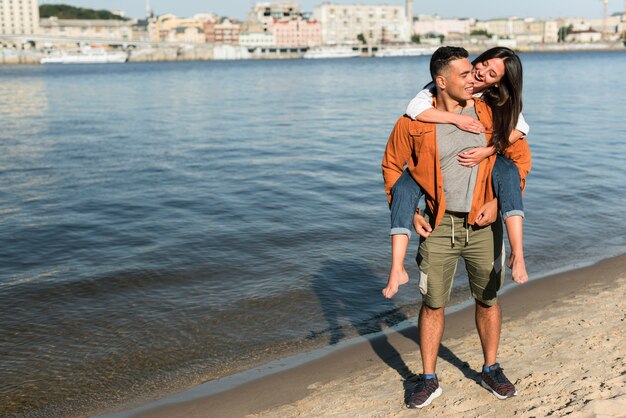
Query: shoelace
x=499 y=376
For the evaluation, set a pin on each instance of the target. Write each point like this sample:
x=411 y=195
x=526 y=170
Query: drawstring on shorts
x=465 y=225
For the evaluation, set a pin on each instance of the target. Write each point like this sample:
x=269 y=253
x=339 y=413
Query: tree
x=361 y=38
x=564 y=31
x=478 y=32
x=63 y=11
x=416 y=39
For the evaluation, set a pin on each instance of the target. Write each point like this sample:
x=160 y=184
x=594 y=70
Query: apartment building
x=377 y=24
x=528 y=30
x=19 y=17
x=427 y=24
x=170 y=28
x=296 y=32
x=87 y=28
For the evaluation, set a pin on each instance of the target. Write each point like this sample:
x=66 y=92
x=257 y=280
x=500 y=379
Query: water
x=166 y=224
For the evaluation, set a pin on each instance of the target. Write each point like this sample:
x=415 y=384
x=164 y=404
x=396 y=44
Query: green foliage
x=361 y=38
x=63 y=11
x=564 y=31
x=480 y=32
x=416 y=39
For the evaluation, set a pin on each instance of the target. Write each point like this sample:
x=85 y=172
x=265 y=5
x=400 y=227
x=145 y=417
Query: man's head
x=452 y=73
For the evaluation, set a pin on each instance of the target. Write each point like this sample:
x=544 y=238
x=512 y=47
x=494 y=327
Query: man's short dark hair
x=442 y=57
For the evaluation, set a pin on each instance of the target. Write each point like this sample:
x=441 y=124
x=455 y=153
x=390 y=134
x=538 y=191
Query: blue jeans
x=406 y=193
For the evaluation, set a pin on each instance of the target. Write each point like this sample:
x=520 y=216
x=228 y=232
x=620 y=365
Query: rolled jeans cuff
x=400 y=231
x=513 y=213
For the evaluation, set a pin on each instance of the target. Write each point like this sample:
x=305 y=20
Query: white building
x=609 y=29
x=583 y=36
x=87 y=28
x=268 y=12
x=427 y=24
x=19 y=17
x=342 y=24
x=528 y=30
x=257 y=39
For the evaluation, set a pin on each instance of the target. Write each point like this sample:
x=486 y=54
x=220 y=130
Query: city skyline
x=488 y=9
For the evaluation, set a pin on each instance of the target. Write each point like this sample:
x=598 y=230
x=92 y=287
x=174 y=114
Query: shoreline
x=9 y=56
x=284 y=383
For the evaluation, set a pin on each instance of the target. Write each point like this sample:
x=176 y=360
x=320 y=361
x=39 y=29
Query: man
x=460 y=214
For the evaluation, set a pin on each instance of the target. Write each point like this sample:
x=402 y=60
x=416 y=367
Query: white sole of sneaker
x=496 y=394
x=437 y=393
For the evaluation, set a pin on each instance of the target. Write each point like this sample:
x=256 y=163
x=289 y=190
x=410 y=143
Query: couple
x=466 y=155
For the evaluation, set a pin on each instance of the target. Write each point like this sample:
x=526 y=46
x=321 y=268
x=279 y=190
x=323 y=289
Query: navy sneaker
x=424 y=393
x=495 y=381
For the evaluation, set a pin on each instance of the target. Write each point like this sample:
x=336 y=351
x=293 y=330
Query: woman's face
x=487 y=73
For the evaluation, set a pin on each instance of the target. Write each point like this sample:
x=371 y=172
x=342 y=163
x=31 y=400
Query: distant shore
x=202 y=52
x=562 y=345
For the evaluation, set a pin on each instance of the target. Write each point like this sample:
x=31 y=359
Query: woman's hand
x=468 y=123
x=488 y=213
x=474 y=156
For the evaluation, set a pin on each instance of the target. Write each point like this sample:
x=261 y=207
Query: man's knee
x=432 y=311
x=487 y=304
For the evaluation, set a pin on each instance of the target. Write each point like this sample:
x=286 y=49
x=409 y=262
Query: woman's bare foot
x=396 y=279
x=518 y=268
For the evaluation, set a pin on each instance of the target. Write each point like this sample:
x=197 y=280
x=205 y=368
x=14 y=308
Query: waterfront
x=177 y=52
x=165 y=224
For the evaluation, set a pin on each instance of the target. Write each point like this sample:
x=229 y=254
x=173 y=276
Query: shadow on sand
x=363 y=307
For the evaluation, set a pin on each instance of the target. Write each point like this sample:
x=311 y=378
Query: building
x=583 y=36
x=170 y=28
x=120 y=30
x=257 y=40
x=296 y=32
x=225 y=32
x=354 y=23
x=525 y=31
x=19 y=17
x=609 y=29
x=286 y=24
x=426 y=24
x=276 y=11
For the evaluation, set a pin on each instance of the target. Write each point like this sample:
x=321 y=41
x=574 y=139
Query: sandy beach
x=562 y=345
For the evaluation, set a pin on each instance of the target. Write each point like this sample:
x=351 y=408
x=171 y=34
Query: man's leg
x=431 y=325
x=437 y=260
x=489 y=324
x=484 y=258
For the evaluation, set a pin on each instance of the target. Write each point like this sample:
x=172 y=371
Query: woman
x=498 y=80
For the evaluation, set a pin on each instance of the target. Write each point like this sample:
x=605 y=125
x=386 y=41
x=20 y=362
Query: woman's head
x=498 y=75
x=495 y=65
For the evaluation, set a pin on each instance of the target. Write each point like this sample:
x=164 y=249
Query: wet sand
x=563 y=346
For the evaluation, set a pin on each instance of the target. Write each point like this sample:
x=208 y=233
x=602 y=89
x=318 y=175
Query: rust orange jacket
x=414 y=143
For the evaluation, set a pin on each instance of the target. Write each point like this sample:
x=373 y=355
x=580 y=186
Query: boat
x=404 y=52
x=338 y=52
x=86 y=56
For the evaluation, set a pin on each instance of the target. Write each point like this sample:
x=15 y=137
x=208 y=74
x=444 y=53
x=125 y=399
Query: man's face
x=459 y=80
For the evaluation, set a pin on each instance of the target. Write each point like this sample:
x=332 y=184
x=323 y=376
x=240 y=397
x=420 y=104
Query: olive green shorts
x=482 y=249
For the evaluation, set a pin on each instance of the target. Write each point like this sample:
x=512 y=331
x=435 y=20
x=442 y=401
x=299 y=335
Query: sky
x=484 y=9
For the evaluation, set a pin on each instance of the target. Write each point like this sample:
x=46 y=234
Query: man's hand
x=469 y=124
x=422 y=227
x=474 y=156
x=488 y=213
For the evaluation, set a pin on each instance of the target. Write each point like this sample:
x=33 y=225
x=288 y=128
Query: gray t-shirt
x=458 y=181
